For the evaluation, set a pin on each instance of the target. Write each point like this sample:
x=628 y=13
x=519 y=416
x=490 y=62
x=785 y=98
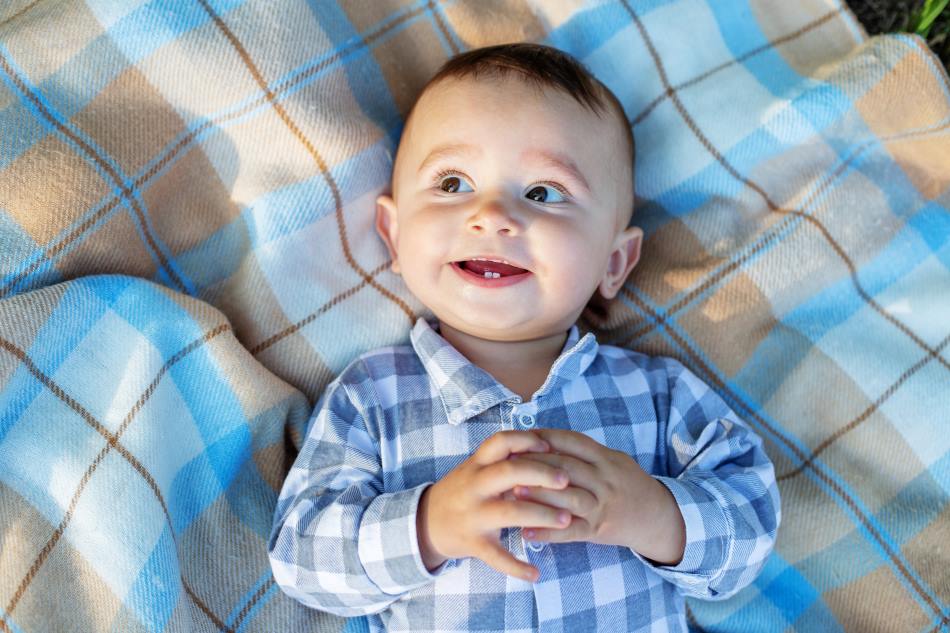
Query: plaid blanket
x=187 y=258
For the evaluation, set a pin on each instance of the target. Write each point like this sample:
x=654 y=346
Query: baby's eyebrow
x=448 y=149
x=558 y=161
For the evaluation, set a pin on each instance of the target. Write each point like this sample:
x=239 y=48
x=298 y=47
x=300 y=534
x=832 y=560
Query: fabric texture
x=399 y=418
x=171 y=168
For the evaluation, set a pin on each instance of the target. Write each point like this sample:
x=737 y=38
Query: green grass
x=923 y=19
x=928 y=18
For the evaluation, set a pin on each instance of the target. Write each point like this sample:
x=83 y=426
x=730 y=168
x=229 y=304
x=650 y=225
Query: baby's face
x=496 y=169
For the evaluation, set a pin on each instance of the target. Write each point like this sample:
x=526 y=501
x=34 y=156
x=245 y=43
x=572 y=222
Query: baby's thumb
x=500 y=559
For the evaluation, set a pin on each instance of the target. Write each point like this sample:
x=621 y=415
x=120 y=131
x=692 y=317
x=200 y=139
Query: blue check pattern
x=401 y=417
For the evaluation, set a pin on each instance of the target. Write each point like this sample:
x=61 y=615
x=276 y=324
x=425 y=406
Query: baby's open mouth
x=489 y=269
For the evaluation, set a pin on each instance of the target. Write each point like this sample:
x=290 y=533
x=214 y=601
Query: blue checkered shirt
x=399 y=418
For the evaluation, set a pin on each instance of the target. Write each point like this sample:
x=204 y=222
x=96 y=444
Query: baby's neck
x=521 y=366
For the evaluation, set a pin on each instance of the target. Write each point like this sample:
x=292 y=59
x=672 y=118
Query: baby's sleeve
x=725 y=487
x=339 y=543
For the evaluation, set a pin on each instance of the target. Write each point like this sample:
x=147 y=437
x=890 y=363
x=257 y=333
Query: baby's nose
x=493 y=215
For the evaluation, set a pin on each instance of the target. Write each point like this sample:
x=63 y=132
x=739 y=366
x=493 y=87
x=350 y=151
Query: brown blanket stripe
x=710 y=376
x=691 y=621
x=117 y=180
x=318 y=159
x=767 y=237
x=433 y=7
x=768 y=201
x=112 y=442
x=773 y=232
x=19 y=13
x=853 y=424
x=752 y=53
x=186 y=142
x=260 y=593
x=279 y=336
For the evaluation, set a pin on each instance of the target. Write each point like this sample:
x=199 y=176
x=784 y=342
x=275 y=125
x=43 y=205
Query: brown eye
x=549 y=194
x=450 y=184
x=538 y=194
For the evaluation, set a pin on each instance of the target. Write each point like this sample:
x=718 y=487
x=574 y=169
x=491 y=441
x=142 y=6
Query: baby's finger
x=500 y=559
x=504 y=443
x=579 y=472
x=575 y=500
x=573 y=443
x=578 y=530
x=499 y=514
x=498 y=477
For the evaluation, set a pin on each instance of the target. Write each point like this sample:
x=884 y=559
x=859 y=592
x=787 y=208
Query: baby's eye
x=451 y=183
x=543 y=193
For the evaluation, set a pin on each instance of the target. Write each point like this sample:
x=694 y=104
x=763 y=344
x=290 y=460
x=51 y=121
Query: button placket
x=508 y=420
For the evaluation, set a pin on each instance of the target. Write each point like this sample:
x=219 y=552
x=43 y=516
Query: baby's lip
x=494 y=258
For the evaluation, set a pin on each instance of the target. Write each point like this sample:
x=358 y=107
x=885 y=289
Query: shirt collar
x=467 y=390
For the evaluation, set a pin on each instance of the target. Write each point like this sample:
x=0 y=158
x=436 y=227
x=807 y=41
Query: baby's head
x=512 y=153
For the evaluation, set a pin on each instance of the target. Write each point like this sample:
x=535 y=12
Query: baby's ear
x=387 y=227
x=623 y=257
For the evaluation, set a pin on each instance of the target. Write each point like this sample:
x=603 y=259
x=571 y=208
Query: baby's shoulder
x=657 y=371
x=381 y=363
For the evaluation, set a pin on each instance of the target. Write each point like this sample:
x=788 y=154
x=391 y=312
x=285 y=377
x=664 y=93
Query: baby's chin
x=493 y=328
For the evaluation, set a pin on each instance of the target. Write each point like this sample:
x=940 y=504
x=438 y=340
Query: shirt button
x=526 y=421
x=534 y=547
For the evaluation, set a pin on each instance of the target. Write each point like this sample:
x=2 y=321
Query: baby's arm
x=725 y=486
x=338 y=543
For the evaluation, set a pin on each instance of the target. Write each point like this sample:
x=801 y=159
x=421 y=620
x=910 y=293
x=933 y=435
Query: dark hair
x=543 y=66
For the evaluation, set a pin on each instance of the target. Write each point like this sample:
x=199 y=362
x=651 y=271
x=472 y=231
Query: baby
x=503 y=473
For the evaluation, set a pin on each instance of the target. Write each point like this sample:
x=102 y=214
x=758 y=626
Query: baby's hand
x=463 y=513
x=613 y=501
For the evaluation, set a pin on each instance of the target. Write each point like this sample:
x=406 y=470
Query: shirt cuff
x=708 y=531
x=389 y=544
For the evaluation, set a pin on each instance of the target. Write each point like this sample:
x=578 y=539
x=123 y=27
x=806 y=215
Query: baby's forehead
x=507 y=104
x=531 y=93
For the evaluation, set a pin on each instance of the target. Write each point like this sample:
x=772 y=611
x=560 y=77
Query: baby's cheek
x=416 y=259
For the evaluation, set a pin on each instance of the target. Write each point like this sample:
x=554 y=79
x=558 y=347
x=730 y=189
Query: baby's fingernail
x=521 y=491
x=562 y=477
x=531 y=575
x=529 y=534
x=563 y=517
x=544 y=446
